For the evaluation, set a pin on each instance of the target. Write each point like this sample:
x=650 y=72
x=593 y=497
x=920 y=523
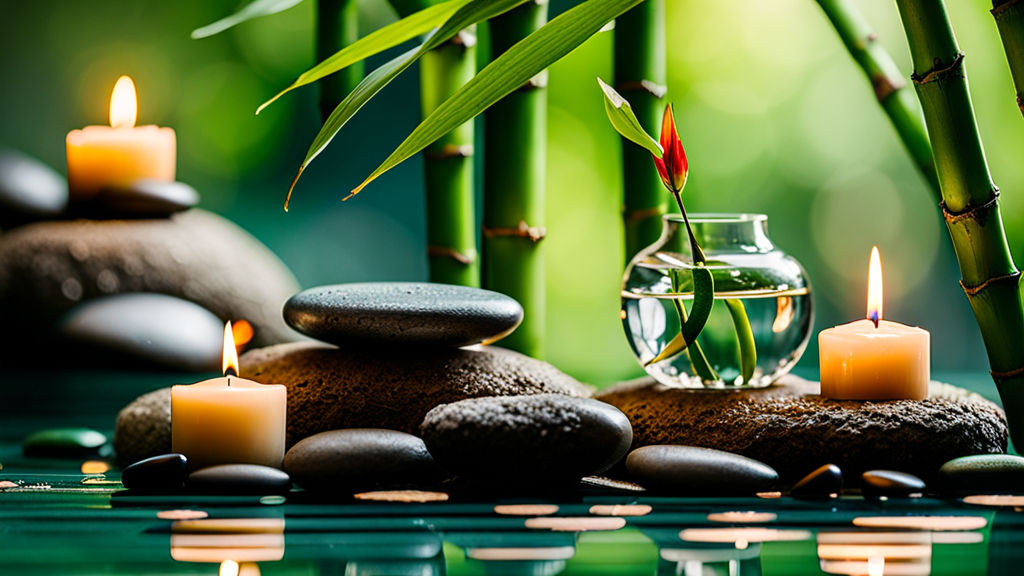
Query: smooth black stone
x=983 y=474
x=694 y=471
x=890 y=484
x=144 y=329
x=29 y=189
x=825 y=482
x=527 y=439
x=239 y=479
x=402 y=312
x=64 y=443
x=143 y=198
x=361 y=459
x=166 y=473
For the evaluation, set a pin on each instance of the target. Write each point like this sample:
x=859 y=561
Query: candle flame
x=875 y=287
x=876 y=565
x=124 y=105
x=230 y=358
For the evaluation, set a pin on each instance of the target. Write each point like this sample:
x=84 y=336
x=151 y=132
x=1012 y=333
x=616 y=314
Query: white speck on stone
x=107 y=281
x=79 y=250
x=71 y=289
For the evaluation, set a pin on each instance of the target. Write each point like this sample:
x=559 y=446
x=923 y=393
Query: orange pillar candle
x=121 y=153
x=229 y=420
x=874 y=359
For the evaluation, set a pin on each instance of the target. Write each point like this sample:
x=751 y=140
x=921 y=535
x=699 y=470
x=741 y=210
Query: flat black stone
x=64 y=443
x=239 y=479
x=402 y=312
x=983 y=474
x=527 y=439
x=29 y=189
x=165 y=473
x=890 y=484
x=825 y=482
x=143 y=199
x=361 y=459
x=693 y=471
x=153 y=330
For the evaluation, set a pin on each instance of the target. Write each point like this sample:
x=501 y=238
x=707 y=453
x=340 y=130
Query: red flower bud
x=672 y=166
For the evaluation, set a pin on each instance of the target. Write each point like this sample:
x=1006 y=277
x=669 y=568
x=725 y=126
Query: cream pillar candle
x=120 y=153
x=874 y=359
x=230 y=419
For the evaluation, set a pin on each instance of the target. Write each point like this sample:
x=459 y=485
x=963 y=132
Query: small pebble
x=693 y=471
x=239 y=479
x=64 y=443
x=983 y=474
x=361 y=459
x=29 y=189
x=165 y=473
x=144 y=198
x=890 y=484
x=825 y=482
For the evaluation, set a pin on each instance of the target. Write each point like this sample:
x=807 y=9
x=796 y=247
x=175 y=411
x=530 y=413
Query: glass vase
x=746 y=267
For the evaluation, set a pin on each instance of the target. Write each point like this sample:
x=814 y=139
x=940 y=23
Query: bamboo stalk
x=1009 y=15
x=890 y=89
x=448 y=167
x=514 y=174
x=640 y=78
x=337 y=26
x=970 y=199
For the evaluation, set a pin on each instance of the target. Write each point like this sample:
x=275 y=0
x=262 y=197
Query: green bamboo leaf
x=468 y=15
x=620 y=113
x=748 y=353
x=377 y=41
x=508 y=72
x=251 y=10
x=703 y=300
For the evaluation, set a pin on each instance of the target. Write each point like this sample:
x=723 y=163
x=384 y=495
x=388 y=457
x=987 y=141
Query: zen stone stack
x=794 y=430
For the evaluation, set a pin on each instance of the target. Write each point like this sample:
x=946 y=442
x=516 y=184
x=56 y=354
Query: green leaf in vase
x=748 y=353
x=690 y=328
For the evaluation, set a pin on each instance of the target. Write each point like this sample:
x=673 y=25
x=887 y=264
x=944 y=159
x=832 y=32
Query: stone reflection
x=518 y=553
x=231 y=542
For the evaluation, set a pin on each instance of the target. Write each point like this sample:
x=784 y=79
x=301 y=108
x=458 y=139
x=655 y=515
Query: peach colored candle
x=874 y=359
x=230 y=419
x=99 y=156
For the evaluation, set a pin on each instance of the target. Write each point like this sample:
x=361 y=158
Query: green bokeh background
x=774 y=115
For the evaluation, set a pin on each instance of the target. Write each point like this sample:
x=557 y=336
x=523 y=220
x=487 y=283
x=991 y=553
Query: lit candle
x=874 y=359
x=121 y=153
x=230 y=419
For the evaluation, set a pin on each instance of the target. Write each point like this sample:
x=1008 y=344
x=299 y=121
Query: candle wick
x=229 y=373
x=873 y=316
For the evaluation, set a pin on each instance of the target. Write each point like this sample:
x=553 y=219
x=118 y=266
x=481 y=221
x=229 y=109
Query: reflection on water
x=228 y=540
x=875 y=553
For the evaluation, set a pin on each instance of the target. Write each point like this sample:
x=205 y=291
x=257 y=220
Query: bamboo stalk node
x=537 y=82
x=523 y=230
x=651 y=87
x=885 y=86
x=464 y=38
x=643 y=213
x=940 y=72
x=450 y=151
x=446 y=252
x=974 y=290
x=977 y=213
x=1007 y=375
x=1001 y=7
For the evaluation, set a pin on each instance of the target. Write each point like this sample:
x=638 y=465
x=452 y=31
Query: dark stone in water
x=239 y=479
x=890 y=484
x=545 y=438
x=983 y=474
x=165 y=473
x=361 y=459
x=145 y=329
x=143 y=428
x=143 y=198
x=29 y=189
x=402 y=312
x=693 y=471
x=790 y=427
x=825 y=482
x=64 y=443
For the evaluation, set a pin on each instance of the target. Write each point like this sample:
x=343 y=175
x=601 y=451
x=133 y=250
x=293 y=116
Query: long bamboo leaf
x=748 y=353
x=507 y=73
x=470 y=14
x=251 y=10
x=703 y=300
x=620 y=113
x=378 y=41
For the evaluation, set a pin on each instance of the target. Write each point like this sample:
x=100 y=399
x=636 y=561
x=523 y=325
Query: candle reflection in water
x=228 y=539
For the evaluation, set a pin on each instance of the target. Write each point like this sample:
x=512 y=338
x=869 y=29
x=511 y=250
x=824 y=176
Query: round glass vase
x=746 y=267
